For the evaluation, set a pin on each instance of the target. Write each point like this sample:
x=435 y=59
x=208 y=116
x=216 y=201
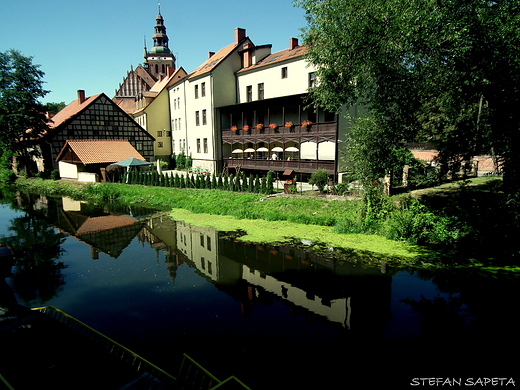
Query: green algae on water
x=261 y=231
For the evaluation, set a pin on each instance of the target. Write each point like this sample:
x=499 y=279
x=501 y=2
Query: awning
x=287 y=172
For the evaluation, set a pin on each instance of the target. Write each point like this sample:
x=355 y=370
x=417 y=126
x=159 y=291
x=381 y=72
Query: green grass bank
x=408 y=231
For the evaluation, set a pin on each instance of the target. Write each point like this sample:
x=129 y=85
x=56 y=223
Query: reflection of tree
x=37 y=248
x=440 y=318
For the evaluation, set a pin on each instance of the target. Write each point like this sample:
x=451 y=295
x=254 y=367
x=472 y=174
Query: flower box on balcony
x=233 y=128
x=259 y=126
x=306 y=123
x=245 y=127
x=289 y=124
x=273 y=126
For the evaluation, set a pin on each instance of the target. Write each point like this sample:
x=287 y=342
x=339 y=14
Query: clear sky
x=91 y=44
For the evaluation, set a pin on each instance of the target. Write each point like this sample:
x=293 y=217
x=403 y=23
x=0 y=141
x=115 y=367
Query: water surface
x=276 y=317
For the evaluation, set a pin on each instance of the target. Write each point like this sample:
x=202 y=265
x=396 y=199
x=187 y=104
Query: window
x=204 y=119
x=312 y=79
x=196 y=91
x=175 y=104
x=159 y=144
x=175 y=128
x=198 y=147
x=284 y=72
x=205 y=145
x=249 y=93
x=208 y=243
x=159 y=133
x=203 y=89
x=202 y=240
x=203 y=263
x=168 y=134
x=261 y=91
x=197 y=118
x=173 y=145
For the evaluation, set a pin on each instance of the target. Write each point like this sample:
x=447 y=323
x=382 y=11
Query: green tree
x=181 y=160
x=54 y=108
x=443 y=71
x=22 y=116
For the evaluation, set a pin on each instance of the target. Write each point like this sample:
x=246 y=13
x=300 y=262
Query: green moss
x=262 y=231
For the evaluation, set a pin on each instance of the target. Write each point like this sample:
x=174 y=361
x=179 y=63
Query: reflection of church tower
x=159 y=58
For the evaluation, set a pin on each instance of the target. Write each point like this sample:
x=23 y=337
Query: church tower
x=159 y=58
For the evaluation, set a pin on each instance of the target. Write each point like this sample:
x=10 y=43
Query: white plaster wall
x=297 y=80
x=177 y=102
x=68 y=171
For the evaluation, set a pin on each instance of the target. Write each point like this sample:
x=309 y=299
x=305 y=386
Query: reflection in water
x=37 y=275
x=248 y=320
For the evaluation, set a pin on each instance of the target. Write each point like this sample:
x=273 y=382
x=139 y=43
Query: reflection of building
x=340 y=293
x=200 y=245
x=99 y=229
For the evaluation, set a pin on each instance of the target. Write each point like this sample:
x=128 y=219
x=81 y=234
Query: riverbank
x=395 y=230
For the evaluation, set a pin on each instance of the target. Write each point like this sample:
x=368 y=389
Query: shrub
x=320 y=179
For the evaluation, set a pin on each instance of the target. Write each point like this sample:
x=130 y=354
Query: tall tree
x=21 y=114
x=444 y=71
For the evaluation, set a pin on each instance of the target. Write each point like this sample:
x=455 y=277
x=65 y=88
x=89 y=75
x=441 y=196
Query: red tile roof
x=99 y=151
x=71 y=111
x=280 y=56
x=212 y=62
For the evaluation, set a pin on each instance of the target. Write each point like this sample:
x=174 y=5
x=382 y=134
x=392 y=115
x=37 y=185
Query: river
x=275 y=317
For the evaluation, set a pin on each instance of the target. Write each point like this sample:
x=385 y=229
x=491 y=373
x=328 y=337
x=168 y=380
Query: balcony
x=318 y=129
x=303 y=166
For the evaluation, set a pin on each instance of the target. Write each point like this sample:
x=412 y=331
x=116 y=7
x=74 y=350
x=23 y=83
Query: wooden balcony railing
x=305 y=166
x=316 y=128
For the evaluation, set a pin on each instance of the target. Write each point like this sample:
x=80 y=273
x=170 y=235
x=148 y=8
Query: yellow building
x=153 y=113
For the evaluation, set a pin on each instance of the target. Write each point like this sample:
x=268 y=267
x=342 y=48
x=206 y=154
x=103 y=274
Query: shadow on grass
x=480 y=210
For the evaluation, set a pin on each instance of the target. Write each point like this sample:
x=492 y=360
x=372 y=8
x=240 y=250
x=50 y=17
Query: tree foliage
x=442 y=71
x=21 y=114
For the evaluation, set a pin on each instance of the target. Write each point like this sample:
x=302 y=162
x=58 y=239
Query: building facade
x=193 y=104
x=92 y=118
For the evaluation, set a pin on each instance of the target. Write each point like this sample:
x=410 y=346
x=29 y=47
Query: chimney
x=293 y=43
x=210 y=54
x=81 y=96
x=240 y=34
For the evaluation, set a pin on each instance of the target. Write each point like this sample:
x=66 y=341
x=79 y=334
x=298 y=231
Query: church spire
x=159 y=58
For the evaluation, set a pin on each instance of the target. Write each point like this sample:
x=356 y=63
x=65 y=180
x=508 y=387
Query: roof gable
x=97 y=151
x=216 y=59
x=278 y=57
x=72 y=110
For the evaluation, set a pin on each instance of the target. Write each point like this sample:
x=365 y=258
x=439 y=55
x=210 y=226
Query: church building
x=158 y=63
